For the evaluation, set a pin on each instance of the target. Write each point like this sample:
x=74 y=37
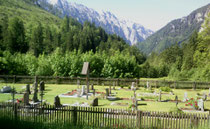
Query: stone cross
x=185 y=97
x=176 y=99
x=201 y=104
x=35 y=98
x=148 y=86
x=160 y=95
x=57 y=102
x=26 y=98
x=42 y=86
x=28 y=88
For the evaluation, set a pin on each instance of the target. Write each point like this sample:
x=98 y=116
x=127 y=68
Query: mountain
x=130 y=31
x=177 y=31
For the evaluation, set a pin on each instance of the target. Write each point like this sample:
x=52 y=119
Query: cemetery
x=131 y=105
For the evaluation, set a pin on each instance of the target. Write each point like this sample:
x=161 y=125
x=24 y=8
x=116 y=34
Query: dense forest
x=47 y=45
x=191 y=60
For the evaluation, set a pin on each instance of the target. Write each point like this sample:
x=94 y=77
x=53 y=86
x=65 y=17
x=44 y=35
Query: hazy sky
x=153 y=14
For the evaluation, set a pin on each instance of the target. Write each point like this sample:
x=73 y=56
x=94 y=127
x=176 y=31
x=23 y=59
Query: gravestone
x=132 y=85
x=35 y=98
x=83 y=91
x=86 y=71
x=78 y=82
x=28 y=89
x=185 y=97
x=110 y=90
x=42 y=86
x=114 y=86
x=209 y=92
x=6 y=89
x=92 y=87
x=148 y=86
x=160 y=95
x=26 y=98
x=176 y=99
x=94 y=92
x=134 y=93
x=204 y=97
x=201 y=104
x=95 y=102
x=57 y=102
x=107 y=92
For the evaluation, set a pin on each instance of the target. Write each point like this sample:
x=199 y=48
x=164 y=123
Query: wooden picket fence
x=104 y=117
x=104 y=81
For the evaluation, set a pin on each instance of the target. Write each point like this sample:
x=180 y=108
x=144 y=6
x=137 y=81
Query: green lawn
x=54 y=89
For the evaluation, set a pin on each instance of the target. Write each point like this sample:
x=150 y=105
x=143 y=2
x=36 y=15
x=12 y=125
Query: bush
x=165 y=89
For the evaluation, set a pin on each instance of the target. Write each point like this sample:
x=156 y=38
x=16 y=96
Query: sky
x=152 y=14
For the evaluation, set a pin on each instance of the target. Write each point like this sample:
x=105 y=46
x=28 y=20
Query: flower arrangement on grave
x=193 y=103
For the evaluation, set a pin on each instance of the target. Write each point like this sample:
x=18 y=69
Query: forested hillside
x=190 y=61
x=35 y=42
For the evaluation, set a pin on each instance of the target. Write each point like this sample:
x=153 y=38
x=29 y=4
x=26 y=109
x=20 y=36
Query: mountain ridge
x=176 y=31
x=131 y=33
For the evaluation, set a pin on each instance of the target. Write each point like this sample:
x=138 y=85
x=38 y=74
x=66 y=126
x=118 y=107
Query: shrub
x=165 y=89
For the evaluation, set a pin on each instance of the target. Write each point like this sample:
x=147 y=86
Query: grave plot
x=146 y=99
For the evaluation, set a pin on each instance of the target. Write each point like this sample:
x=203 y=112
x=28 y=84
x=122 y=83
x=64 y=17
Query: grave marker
x=6 y=89
x=209 y=91
x=110 y=92
x=83 y=91
x=114 y=86
x=204 y=97
x=85 y=71
x=133 y=86
x=42 y=86
x=57 y=102
x=35 y=98
x=28 y=88
x=185 y=97
x=26 y=98
x=107 y=92
x=160 y=95
x=176 y=99
x=201 y=104
x=148 y=86
x=92 y=87
x=94 y=92
x=95 y=102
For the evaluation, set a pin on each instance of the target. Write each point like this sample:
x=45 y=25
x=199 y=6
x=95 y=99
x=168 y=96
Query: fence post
x=75 y=116
x=139 y=118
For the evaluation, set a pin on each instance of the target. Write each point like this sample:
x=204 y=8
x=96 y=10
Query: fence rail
x=103 y=117
x=104 y=81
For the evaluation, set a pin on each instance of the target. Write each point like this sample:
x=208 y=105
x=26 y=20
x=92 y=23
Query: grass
x=55 y=89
